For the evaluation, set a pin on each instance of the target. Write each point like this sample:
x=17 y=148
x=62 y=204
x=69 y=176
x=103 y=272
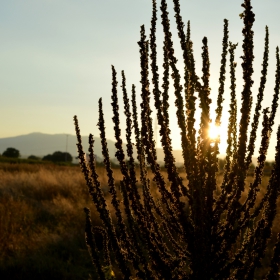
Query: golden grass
x=42 y=220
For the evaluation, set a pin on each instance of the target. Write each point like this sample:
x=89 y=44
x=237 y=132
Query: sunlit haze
x=56 y=58
x=214 y=131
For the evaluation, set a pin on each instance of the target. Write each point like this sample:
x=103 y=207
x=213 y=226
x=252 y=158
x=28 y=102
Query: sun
x=214 y=131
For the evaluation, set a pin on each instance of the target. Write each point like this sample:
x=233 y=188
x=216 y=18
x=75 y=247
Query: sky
x=56 y=57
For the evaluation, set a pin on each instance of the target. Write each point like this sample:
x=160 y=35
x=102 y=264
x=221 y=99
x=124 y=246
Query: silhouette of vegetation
x=11 y=153
x=58 y=157
x=34 y=157
x=199 y=229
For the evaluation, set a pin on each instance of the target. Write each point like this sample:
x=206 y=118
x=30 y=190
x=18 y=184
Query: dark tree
x=47 y=157
x=11 y=153
x=58 y=157
x=33 y=157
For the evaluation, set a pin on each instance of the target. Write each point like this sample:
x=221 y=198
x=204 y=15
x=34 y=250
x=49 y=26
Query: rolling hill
x=40 y=144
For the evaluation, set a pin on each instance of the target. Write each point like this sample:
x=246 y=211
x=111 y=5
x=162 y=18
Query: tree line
x=55 y=157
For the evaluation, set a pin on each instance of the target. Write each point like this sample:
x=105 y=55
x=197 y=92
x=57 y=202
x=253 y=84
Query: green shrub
x=200 y=230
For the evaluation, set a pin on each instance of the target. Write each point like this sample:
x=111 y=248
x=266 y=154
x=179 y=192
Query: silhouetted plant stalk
x=195 y=230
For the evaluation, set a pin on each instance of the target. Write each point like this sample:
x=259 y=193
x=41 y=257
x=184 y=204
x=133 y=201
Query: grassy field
x=42 y=221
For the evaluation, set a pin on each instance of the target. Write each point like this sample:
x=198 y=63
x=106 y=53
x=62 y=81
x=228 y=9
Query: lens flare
x=214 y=131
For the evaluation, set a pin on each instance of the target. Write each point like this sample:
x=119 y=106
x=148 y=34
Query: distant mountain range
x=40 y=144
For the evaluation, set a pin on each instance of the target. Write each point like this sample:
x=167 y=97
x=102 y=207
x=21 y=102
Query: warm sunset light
x=214 y=131
x=133 y=147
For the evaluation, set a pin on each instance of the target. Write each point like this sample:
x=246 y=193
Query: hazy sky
x=56 y=57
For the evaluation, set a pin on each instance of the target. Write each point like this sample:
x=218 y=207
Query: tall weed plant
x=195 y=230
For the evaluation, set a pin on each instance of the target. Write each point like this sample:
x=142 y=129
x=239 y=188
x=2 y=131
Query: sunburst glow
x=214 y=131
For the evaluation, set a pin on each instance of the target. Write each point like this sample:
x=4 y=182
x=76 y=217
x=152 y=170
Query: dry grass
x=42 y=221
